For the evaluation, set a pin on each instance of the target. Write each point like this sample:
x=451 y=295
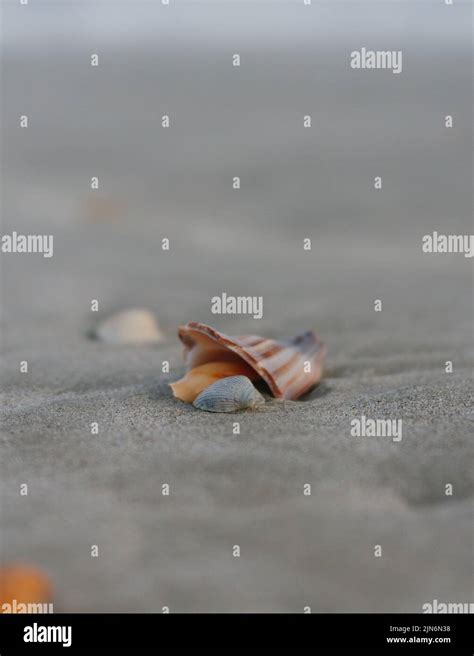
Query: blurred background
x=296 y=183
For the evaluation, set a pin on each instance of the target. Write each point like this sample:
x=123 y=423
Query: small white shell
x=229 y=395
x=133 y=326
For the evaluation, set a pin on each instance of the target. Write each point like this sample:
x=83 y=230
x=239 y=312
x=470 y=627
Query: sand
x=105 y=489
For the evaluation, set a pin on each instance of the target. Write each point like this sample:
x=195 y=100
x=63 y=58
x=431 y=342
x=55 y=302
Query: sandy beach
x=296 y=183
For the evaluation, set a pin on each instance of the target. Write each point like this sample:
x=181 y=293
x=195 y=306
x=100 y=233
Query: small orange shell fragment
x=24 y=584
x=201 y=377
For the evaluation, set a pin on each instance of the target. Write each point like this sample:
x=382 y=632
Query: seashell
x=196 y=380
x=133 y=326
x=23 y=584
x=289 y=367
x=229 y=395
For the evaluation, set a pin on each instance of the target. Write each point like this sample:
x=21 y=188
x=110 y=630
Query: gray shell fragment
x=229 y=395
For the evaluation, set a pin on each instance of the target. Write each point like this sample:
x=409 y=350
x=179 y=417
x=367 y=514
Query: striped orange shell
x=283 y=364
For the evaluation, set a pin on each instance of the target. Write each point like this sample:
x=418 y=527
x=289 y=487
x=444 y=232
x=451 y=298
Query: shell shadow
x=157 y=391
x=317 y=392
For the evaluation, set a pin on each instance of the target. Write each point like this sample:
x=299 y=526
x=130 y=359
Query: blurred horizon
x=147 y=22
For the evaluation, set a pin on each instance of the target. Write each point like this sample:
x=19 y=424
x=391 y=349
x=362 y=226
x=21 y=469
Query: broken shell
x=229 y=395
x=196 y=380
x=289 y=367
x=130 y=327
